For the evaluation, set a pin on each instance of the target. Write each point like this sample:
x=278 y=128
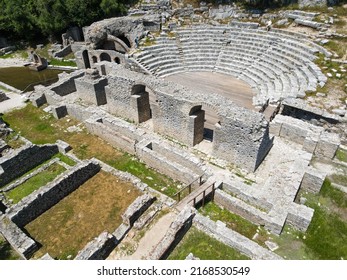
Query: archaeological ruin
x=218 y=103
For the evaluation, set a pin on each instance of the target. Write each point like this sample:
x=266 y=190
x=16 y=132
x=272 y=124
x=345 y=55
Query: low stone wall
x=165 y=161
x=175 y=233
x=313 y=180
x=27 y=177
x=47 y=196
x=111 y=134
x=136 y=209
x=99 y=248
x=23 y=160
x=66 y=83
x=299 y=216
x=241 y=208
x=23 y=244
x=219 y=231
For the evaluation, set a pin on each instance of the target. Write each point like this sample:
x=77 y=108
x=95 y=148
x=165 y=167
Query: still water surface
x=22 y=77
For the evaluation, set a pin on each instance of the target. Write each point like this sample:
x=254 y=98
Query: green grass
x=6 y=251
x=57 y=62
x=8 y=55
x=35 y=183
x=204 y=247
x=233 y=221
x=327 y=234
x=155 y=180
x=341 y=155
x=65 y=159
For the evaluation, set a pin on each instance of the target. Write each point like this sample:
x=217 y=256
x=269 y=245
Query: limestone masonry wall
x=44 y=198
x=23 y=160
x=23 y=244
x=175 y=233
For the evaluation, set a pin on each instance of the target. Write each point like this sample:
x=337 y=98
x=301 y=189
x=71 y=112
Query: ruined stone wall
x=175 y=233
x=313 y=138
x=111 y=135
x=240 y=208
x=23 y=160
x=166 y=161
x=23 y=244
x=79 y=112
x=92 y=90
x=66 y=83
x=99 y=248
x=242 y=136
x=43 y=199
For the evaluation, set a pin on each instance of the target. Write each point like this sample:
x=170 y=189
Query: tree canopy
x=28 y=19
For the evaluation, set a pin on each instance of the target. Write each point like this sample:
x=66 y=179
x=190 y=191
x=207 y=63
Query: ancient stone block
x=135 y=210
x=312 y=180
x=63 y=146
x=327 y=145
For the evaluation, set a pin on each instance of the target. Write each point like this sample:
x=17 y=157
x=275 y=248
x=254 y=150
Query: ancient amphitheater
x=220 y=108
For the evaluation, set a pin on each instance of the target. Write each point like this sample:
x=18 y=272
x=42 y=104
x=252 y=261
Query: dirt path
x=15 y=101
x=148 y=242
x=12 y=62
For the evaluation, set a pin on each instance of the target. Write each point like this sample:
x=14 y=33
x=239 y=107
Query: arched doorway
x=143 y=100
x=94 y=59
x=85 y=58
x=117 y=60
x=105 y=57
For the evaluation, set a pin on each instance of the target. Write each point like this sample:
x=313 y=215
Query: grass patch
x=337 y=196
x=6 y=251
x=57 y=62
x=204 y=247
x=35 y=183
x=93 y=208
x=234 y=221
x=326 y=236
x=341 y=155
x=65 y=159
x=41 y=128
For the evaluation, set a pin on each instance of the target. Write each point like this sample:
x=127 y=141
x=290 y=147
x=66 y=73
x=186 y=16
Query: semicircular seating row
x=276 y=64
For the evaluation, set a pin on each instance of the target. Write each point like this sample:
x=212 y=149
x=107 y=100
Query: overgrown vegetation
x=204 y=247
x=35 y=182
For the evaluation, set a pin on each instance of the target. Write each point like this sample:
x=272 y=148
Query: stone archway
x=105 y=57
